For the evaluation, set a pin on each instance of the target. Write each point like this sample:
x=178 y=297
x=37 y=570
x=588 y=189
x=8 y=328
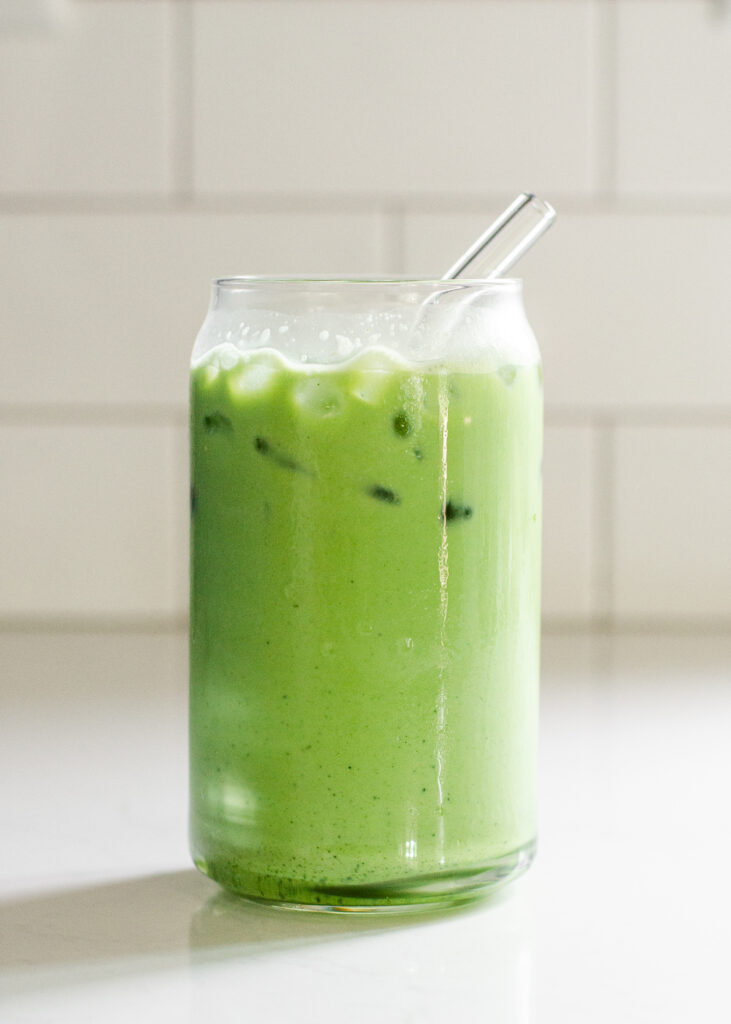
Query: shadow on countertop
x=158 y=922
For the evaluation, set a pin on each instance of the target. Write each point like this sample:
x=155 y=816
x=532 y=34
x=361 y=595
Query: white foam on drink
x=455 y=333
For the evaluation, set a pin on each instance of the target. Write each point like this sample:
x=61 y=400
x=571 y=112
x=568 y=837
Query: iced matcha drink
x=365 y=624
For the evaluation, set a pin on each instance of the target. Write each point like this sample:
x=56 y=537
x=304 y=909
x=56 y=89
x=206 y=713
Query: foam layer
x=455 y=334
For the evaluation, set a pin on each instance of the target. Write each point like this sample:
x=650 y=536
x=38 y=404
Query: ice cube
x=225 y=356
x=255 y=376
x=318 y=396
x=369 y=386
x=371 y=374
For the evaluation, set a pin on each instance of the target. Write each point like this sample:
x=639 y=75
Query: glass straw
x=507 y=238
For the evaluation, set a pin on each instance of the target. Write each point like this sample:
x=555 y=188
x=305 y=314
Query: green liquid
x=364 y=626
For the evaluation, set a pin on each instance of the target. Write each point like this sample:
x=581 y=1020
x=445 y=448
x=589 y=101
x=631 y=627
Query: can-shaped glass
x=365 y=590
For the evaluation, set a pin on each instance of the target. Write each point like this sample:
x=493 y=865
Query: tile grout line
x=643 y=416
x=636 y=626
x=550 y=625
x=88 y=624
x=129 y=415
x=604 y=125
x=181 y=104
x=183 y=200
x=41 y=415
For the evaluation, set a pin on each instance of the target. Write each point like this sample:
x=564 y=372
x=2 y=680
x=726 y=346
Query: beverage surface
x=364 y=634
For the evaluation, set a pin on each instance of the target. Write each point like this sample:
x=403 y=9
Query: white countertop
x=624 y=917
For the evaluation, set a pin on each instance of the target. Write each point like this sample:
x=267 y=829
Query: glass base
x=420 y=893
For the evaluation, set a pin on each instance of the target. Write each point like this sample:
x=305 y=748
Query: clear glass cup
x=365 y=578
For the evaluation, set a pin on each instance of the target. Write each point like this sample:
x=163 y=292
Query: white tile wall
x=91 y=522
x=105 y=307
x=149 y=146
x=85 y=102
x=568 y=531
x=674 y=98
x=373 y=96
x=631 y=310
x=673 y=513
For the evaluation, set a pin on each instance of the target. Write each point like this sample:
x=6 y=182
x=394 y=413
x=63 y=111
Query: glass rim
x=245 y=281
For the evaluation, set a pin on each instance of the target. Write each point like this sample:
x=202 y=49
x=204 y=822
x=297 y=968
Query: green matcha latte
x=365 y=509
